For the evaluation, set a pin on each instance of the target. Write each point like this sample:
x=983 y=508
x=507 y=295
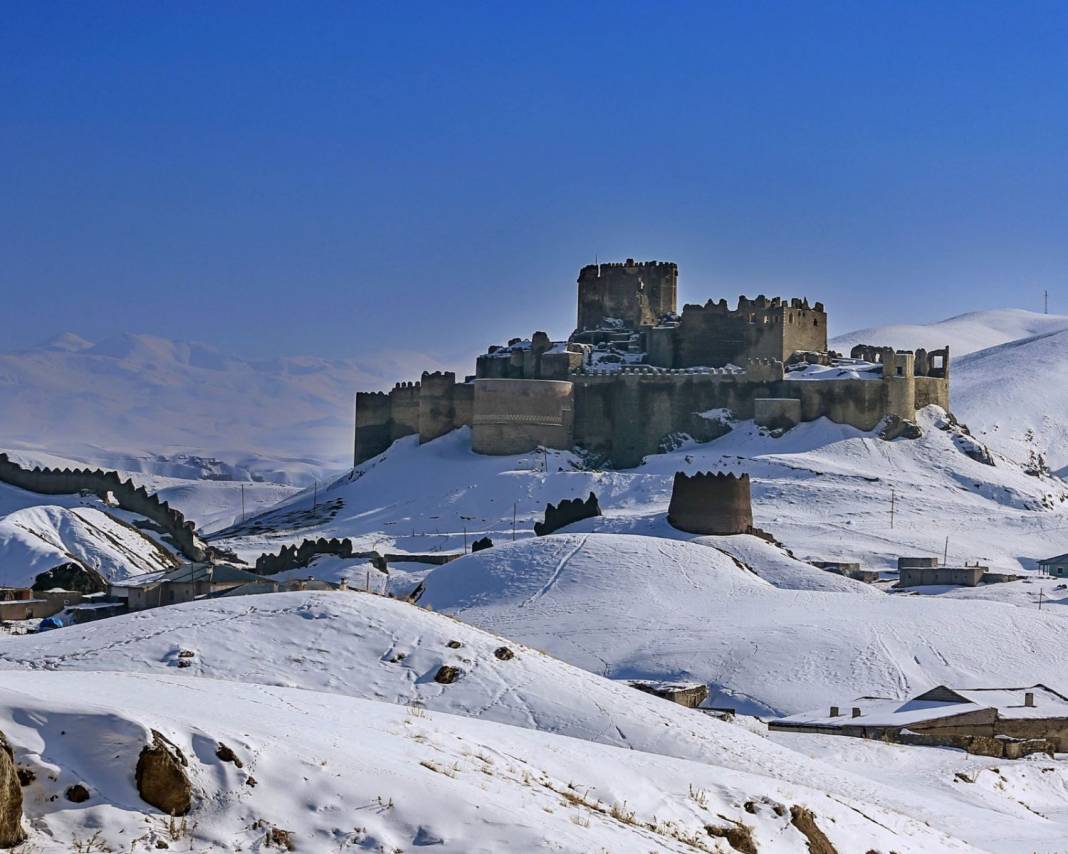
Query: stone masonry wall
x=133 y=499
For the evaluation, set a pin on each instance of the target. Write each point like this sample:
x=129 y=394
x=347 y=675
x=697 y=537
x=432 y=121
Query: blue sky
x=331 y=178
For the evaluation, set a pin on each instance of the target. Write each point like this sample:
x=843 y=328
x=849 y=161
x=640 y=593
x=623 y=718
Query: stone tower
x=708 y=503
x=634 y=292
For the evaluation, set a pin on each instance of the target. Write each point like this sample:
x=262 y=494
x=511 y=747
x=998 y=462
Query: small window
x=815 y=321
x=900 y=371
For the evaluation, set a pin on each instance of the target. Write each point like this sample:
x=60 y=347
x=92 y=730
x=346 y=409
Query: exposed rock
x=895 y=427
x=77 y=794
x=803 y=819
x=26 y=776
x=481 y=545
x=11 y=833
x=454 y=644
x=71 y=576
x=225 y=754
x=739 y=836
x=161 y=777
x=446 y=674
x=281 y=838
x=504 y=653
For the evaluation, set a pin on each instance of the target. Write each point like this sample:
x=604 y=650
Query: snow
x=405 y=778
x=965 y=333
x=639 y=607
x=36 y=539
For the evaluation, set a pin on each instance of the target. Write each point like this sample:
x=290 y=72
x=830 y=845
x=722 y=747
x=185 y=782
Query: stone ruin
x=637 y=371
x=566 y=513
x=108 y=486
x=707 y=503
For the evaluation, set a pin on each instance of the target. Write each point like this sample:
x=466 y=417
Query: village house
x=22 y=603
x=186 y=583
x=1057 y=566
x=1001 y=722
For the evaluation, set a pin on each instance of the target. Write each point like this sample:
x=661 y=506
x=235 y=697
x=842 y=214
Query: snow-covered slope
x=375 y=648
x=39 y=532
x=141 y=403
x=623 y=607
x=1015 y=397
x=965 y=333
x=822 y=489
x=398 y=779
x=1008 y=376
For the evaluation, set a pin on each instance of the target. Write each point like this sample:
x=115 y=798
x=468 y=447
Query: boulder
x=161 y=777
x=11 y=833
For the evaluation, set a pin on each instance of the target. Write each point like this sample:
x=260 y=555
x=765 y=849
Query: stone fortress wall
x=634 y=373
x=134 y=499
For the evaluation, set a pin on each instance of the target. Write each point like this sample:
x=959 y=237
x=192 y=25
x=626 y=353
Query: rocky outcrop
x=481 y=545
x=11 y=833
x=161 y=777
x=71 y=576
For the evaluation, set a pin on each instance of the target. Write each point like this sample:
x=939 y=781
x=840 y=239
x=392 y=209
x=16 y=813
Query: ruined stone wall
x=437 y=409
x=635 y=292
x=430 y=408
x=627 y=415
x=567 y=512
x=714 y=335
x=932 y=391
x=374 y=415
x=133 y=499
x=515 y=416
x=404 y=410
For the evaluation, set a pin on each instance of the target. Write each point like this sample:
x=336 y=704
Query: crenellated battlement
x=635 y=375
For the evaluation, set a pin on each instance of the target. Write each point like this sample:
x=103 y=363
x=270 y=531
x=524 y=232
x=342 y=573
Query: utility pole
x=1039 y=598
x=465 y=539
x=945 y=556
x=891 y=509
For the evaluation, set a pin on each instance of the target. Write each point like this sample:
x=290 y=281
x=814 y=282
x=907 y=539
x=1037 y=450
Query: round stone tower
x=708 y=503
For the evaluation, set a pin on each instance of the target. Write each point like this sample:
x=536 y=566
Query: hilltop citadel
x=635 y=373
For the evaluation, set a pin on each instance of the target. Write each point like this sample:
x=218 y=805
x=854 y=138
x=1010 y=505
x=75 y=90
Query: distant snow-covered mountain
x=965 y=333
x=149 y=404
x=1008 y=376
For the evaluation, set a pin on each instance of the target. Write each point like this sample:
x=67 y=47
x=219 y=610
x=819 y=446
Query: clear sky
x=330 y=178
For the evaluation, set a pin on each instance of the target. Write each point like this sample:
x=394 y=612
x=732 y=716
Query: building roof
x=939 y=702
x=220 y=573
x=253 y=588
x=1050 y=560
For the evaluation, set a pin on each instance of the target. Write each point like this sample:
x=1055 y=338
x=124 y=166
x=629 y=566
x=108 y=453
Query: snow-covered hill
x=141 y=403
x=640 y=607
x=38 y=533
x=1008 y=376
x=373 y=648
x=965 y=333
x=321 y=772
x=822 y=489
x=1015 y=397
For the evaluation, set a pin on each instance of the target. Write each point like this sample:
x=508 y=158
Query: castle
x=635 y=373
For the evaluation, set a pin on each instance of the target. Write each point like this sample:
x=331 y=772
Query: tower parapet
x=632 y=294
x=707 y=503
